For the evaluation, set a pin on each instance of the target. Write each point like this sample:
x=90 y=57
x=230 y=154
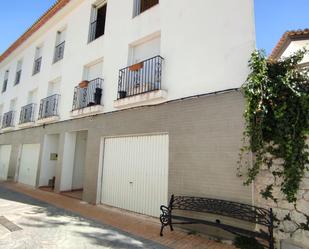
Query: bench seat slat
x=229 y=228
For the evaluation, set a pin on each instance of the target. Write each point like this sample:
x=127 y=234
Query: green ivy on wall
x=277 y=121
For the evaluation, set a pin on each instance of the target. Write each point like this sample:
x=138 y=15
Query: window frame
x=59 y=45
x=94 y=18
x=137 y=11
x=18 y=72
x=5 y=81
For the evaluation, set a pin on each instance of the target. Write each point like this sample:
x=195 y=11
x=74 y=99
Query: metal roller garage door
x=135 y=173
x=5 y=153
x=29 y=161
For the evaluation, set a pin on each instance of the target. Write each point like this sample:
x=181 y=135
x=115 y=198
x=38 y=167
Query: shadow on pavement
x=42 y=215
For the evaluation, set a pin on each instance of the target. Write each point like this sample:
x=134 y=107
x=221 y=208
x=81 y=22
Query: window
x=142 y=5
x=97 y=25
x=59 y=49
x=53 y=87
x=13 y=104
x=5 y=82
x=32 y=96
x=37 y=60
x=18 y=72
x=145 y=50
x=1 y=113
x=93 y=71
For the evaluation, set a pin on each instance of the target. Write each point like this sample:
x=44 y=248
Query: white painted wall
x=5 y=153
x=79 y=160
x=29 y=164
x=206 y=46
x=294 y=46
x=48 y=166
x=68 y=161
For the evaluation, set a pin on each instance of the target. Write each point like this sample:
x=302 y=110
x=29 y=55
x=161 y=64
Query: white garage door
x=135 y=173
x=29 y=164
x=5 y=153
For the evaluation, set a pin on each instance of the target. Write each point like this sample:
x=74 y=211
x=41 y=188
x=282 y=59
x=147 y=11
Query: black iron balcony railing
x=4 y=86
x=88 y=94
x=49 y=106
x=27 y=114
x=140 y=78
x=59 y=52
x=37 y=66
x=17 y=77
x=8 y=119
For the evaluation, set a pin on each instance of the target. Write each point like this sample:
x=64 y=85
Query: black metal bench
x=230 y=209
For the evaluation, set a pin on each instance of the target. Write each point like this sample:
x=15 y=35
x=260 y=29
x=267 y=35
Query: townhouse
x=128 y=101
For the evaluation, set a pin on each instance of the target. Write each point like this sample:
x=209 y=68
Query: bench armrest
x=165 y=216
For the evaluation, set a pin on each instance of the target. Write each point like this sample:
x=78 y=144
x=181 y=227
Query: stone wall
x=287 y=233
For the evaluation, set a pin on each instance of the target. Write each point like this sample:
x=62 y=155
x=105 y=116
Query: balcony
x=8 y=121
x=140 y=84
x=87 y=98
x=26 y=118
x=59 y=52
x=48 y=111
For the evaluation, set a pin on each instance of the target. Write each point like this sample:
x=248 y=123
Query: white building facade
x=129 y=101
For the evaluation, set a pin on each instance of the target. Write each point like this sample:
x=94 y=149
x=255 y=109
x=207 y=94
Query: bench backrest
x=231 y=209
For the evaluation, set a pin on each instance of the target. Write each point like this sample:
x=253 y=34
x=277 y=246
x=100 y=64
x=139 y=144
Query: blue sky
x=273 y=18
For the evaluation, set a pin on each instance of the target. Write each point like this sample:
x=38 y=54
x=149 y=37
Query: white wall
x=48 y=166
x=79 y=160
x=68 y=161
x=206 y=46
x=294 y=46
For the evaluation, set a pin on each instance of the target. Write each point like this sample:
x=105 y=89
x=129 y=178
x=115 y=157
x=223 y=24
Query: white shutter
x=5 y=153
x=29 y=164
x=135 y=173
x=146 y=50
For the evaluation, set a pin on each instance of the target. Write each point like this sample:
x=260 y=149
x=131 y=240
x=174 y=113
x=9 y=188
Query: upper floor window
x=98 y=19
x=1 y=112
x=142 y=5
x=37 y=60
x=5 y=82
x=59 y=49
x=18 y=72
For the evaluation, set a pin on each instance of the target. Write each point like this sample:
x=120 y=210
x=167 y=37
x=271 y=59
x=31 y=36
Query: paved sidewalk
x=70 y=223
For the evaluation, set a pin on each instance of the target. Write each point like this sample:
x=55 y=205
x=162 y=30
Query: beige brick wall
x=205 y=136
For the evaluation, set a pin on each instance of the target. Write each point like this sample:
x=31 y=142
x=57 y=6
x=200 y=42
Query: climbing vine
x=277 y=121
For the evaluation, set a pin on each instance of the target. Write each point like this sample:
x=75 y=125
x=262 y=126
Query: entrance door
x=5 y=153
x=135 y=173
x=29 y=164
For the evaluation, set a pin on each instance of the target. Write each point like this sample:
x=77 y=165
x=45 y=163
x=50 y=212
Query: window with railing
x=87 y=93
x=97 y=24
x=17 y=77
x=4 y=86
x=27 y=114
x=37 y=60
x=59 y=48
x=8 y=119
x=37 y=66
x=49 y=106
x=140 y=78
x=143 y=5
x=5 y=82
x=59 y=52
x=18 y=72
